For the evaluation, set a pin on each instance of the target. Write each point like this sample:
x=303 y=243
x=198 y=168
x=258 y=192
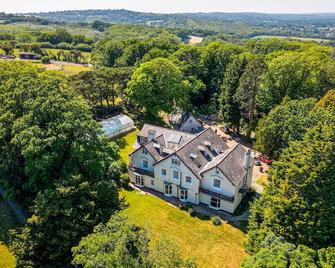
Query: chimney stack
x=247 y=156
x=151 y=135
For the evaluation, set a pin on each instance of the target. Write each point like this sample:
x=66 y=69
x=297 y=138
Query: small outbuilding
x=185 y=122
x=117 y=125
x=28 y=56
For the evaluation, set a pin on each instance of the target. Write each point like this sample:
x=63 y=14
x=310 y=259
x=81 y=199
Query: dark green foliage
x=61 y=216
x=287 y=122
x=156 y=86
x=215 y=59
x=230 y=111
x=298 y=203
x=47 y=133
x=120 y=243
x=297 y=75
x=7 y=47
x=45 y=60
x=101 y=86
x=248 y=89
x=276 y=253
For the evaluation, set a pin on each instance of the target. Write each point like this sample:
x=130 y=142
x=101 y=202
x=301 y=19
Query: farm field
x=319 y=40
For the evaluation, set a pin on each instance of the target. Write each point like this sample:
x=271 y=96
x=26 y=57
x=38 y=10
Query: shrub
x=46 y=60
x=216 y=220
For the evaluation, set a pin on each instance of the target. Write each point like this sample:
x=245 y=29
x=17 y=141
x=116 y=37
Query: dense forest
x=277 y=93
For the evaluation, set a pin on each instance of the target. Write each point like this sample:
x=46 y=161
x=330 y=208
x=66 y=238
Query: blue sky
x=170 y=6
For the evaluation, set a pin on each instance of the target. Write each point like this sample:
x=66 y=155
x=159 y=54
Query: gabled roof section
x=168 y=138
x=231 y=163
x=196 y=146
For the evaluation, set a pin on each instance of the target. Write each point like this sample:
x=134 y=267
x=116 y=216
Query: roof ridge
x=184 y=145
x=169 y=129
x=196 y=136
x=230 y=150
x=228 y=153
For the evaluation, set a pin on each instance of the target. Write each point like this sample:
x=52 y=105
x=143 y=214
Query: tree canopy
x=298 y=203
x=156 y=86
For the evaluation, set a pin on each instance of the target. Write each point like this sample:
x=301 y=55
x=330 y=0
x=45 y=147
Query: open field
x=195 y=40
x=212 y=246
x=319 y=40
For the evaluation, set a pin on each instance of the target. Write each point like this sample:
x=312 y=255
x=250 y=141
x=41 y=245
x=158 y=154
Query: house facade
x=185 y=122
x=195 y=168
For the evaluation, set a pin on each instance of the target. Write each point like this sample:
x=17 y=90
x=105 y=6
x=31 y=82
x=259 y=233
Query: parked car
x=265 y=160
x=225 y=129
x=258 y=163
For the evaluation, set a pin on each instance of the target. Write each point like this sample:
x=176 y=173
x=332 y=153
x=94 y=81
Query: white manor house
x=195 y=168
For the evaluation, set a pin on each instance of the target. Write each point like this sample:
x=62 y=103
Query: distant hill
x=127 y=16
x=239 y=25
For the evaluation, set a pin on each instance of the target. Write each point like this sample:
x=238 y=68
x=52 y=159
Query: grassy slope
x=213 y=246
x=7 y=260
x=125 y=144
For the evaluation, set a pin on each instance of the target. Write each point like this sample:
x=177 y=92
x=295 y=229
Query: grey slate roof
x=178 y=119
x=231 y=163
x=165 y=135
x=192 y=147
x=200 y=152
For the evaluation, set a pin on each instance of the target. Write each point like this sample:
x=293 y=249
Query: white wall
x=184 y=171
x=226 y=187
x=138 y=157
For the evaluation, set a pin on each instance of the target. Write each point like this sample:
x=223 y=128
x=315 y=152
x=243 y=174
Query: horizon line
x=181 y=12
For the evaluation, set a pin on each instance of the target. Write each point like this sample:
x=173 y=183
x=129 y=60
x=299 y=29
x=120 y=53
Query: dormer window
x=144 y=151
x=207 y=143
x=195 y=160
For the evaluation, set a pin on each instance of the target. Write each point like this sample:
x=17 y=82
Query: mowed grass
x=212 y=246
x=7 y=260
x=126 y=143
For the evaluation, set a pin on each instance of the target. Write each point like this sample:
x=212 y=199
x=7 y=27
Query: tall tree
x=298 y=75
x=248 y=89
x=61 y=216
x=287 y=122
x=120 y=243
x=157 y=86
x=230 y=111
x=298 y=203
x=46 y=132
x=215 y=59
x=277 y=253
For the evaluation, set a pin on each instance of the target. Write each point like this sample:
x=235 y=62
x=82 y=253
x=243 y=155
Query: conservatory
x=117 y=125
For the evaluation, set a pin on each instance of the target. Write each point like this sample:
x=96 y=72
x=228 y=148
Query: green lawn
x=212 y=246
x=125 y=144
x=7 y=260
